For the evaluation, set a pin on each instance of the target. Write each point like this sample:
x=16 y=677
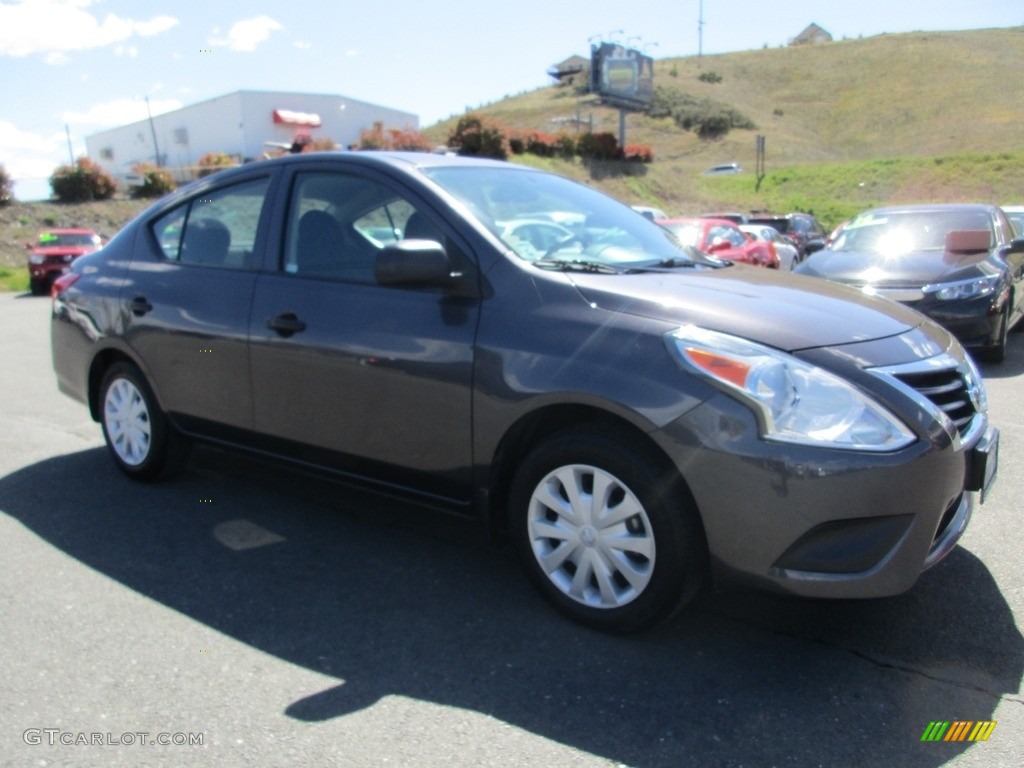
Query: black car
x=802 y=229
x=960 y=264
x=631 y=414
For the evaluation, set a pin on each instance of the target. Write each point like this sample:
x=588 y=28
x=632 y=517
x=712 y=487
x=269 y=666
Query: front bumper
x=828 y=523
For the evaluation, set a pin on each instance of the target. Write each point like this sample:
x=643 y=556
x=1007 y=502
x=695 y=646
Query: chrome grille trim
x=947 y=387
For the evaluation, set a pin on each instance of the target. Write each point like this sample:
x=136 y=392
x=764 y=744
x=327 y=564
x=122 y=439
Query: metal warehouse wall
x=237 y=123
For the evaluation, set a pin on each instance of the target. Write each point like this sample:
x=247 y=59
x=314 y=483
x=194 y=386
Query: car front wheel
x=142 y=443
x=606 y=530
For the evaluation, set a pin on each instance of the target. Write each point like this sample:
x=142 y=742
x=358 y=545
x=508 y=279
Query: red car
x=723 y=239
x=52 y=253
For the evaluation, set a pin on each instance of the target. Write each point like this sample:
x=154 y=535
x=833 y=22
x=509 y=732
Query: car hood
x=784 y=311
x=907 y=270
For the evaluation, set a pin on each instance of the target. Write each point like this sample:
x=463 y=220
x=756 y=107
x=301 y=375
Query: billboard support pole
x=622 y=129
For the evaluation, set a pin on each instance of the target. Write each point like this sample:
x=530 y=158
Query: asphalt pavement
x=245 y=615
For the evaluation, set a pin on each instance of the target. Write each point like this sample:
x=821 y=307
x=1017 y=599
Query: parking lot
x=255 y=616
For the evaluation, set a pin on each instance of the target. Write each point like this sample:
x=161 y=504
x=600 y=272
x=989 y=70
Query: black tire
x=37 y=287
x=141 y=441
x=627 y=573
x=997 y=353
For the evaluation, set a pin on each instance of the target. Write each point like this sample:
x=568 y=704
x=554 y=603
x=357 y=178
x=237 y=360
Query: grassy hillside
x=917 y=116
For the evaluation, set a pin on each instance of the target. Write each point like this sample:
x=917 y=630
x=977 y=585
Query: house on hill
x=565 y=72
x=813 y=34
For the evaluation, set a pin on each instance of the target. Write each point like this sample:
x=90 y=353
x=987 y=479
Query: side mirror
x=414 y=263
x=1016 y=245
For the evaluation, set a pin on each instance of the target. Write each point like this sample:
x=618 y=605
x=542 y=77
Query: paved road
x=282 y=620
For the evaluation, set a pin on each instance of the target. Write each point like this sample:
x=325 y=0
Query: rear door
x=370 y=380
x=188 y=301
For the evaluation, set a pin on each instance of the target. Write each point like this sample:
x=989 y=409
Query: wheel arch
x=97 y=370
x=535 y=427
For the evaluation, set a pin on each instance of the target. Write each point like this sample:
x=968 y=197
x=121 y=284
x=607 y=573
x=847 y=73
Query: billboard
x=622 y=76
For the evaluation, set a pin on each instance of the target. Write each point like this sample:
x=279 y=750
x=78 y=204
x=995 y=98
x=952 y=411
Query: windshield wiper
x=578 y=265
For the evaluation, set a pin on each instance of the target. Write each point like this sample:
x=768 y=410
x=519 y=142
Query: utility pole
x=152 y=129
x=71 y=153
x=700 y=30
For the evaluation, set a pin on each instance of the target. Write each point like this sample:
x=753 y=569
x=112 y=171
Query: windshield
x=905 y=231
x=51 y=239
x=543 y=218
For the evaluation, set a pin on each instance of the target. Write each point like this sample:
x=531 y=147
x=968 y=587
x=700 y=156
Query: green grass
x=13 y=279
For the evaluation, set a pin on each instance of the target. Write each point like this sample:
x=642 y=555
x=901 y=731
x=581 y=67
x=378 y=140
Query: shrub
x=212 y=162
x=322 y=144
x=406 y=139
x=517 y=143
x=598 y=146
x=565 y=146
x=710 y=77
x=6 y=187
x=638 y=153
x=84 y=180
x=156 y=182
x=477 y=137
x=541 y=144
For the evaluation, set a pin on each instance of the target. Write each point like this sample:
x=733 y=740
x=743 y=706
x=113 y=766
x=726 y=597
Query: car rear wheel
x=141 y=441
x=606 y=530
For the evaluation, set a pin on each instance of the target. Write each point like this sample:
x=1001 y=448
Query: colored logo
x=958 y=730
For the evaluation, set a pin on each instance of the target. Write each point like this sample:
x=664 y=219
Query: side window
x=338 y=223
x=216 y=229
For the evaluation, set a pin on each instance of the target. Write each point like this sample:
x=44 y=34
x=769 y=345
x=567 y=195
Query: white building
x=239 y=124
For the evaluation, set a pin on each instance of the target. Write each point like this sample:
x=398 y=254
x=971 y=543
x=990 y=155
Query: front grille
x=948 y=390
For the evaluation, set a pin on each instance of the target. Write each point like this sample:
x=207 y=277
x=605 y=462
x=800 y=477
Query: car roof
x=66 y=231
x=932 y=208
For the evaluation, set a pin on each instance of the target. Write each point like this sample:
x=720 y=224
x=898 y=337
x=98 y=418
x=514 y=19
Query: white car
x=1015 y=213
x=650 y=213
x=789 y=256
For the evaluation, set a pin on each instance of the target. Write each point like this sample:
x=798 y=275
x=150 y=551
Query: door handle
x=139 y=306
x=286 y=324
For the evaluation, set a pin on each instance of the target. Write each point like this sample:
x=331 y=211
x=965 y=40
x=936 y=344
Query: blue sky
x=86 y=64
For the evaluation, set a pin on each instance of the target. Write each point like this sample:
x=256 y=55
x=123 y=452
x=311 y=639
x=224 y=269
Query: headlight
x=35 y=258
x=964 y=289
x=797 y=402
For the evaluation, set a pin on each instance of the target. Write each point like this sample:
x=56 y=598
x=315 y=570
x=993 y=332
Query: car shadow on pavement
x=390 y=600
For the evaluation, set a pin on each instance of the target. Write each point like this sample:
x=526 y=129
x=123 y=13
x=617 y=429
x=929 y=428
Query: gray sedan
x=632 y=415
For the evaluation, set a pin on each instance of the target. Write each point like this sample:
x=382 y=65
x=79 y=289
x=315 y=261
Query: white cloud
x=54 y=26
x=30 y=155
x=119 y=112
x=246 y=35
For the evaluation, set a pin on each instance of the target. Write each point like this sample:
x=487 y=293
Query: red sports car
x=723 y=239
x=51 y=254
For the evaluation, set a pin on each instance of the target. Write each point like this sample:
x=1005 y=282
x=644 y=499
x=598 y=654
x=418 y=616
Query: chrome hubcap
x=591 y=536
x=127 y=421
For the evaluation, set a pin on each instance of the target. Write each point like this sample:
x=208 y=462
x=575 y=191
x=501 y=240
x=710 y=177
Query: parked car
x=1015 y=213
x=631 y=414
x=802 y=229
x=649 y=212
x=52 y=252
x=959 y=264
x=734 y=216
x=722 y=239
x=788 y=255
x=723 y=170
